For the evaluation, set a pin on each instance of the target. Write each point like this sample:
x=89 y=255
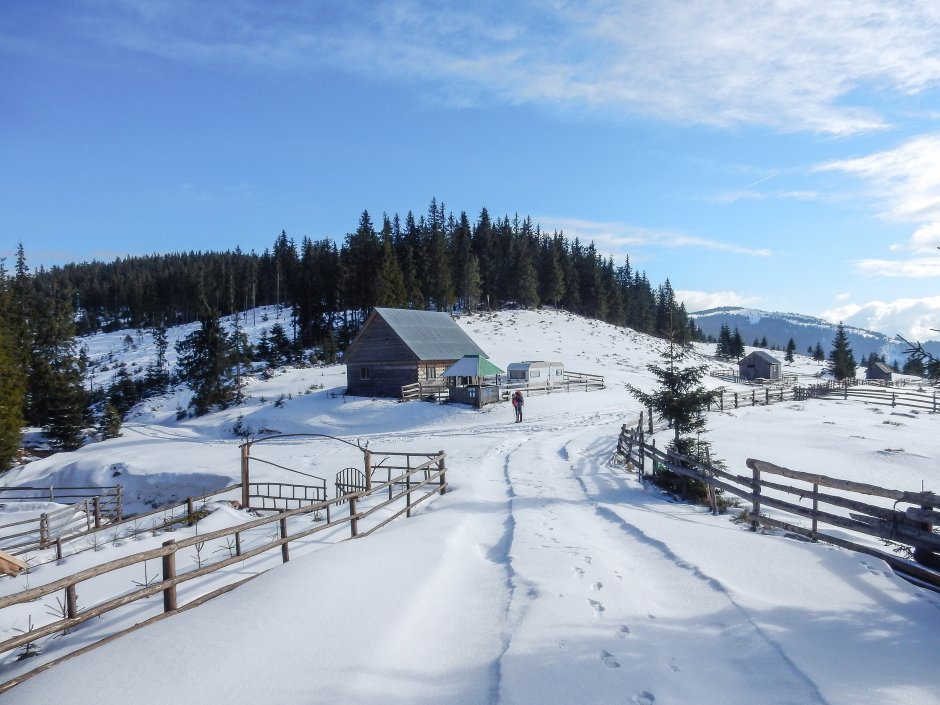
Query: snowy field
x=547 y=575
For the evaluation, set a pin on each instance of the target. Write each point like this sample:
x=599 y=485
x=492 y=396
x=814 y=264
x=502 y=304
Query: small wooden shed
x=397 y=346
x=473 y=380
x=879 y=371
x=759 y=365
x=535 y=373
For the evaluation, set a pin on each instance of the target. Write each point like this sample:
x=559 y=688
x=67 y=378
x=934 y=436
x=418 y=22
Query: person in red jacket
x=517 y=402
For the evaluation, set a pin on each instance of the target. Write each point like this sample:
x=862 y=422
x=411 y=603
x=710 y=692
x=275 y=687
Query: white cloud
x=703 y=300
x=904 y=181
x=616 y=236
x=925 y=239
x=914 y=319
x=845 y=296
x=790 y=64
x=915 y=268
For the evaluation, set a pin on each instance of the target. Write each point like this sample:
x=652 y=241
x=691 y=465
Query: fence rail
x=403 y=486
x=911 y=529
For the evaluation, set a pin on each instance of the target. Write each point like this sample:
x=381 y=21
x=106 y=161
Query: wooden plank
x=921 y=498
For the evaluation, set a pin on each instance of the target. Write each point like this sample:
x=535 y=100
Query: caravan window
x=535 y=373
x=559 y=372
x=516 y=374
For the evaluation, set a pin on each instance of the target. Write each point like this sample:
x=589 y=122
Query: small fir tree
x=841 y=360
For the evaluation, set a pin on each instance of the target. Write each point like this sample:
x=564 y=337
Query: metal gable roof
x=431 y=335
x=765 y=356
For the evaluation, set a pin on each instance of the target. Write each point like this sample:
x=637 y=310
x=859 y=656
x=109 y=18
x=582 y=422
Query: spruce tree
x=818 y=353
x=392 y=292
x=841 y=360
x=791 y=348
x=737 y=344
x=205 y=364
x=680 y=398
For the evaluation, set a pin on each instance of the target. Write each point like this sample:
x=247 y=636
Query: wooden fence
x=868 y=393
x=412 y=486
x=910 y=529
x=98 y=506
x=419 y=391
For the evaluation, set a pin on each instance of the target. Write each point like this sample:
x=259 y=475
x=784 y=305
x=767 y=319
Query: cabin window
x=364 y=373
x=516 y=374
x=430 y=372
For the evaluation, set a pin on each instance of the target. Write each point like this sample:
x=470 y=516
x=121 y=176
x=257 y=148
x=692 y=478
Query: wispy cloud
x=703 y=300
x=916 y=268
x=915 y=319
x=795 y=66
x=616 y=236
x=904 y=181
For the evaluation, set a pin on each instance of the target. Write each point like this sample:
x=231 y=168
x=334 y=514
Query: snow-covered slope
x=546 y=575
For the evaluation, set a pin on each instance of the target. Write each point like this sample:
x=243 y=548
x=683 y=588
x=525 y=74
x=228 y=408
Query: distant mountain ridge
x=806 y=331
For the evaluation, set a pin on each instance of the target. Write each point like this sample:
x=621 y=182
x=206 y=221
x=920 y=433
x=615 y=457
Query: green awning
x=472 y=366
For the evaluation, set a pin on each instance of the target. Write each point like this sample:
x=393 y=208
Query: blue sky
x=780 y=155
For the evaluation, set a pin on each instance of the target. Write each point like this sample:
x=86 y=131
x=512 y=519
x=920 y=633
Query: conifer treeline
x=438 y=261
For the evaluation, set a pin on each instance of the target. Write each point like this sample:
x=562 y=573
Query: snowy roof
x=765 y=356
x=472 y=366
x=431 y=335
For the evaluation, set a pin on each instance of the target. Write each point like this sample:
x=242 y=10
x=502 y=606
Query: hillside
x=806 y=331
x=546 y=575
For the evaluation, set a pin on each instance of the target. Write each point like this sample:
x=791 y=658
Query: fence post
x=97 y=510
x=649 y=417
x=43 y=530
x=767 y=395
x=367 y=461
x=753 y=397
x=925 y=556
x=58 y=549
x=190 y=520
x=71 y=602
x=238 y=543
x=653 y=456
x=353 y=521
x=894 y=399
x=755 y=489
x=440 y=466
x=285 y=553
x=245 y=481
x=119 y=503
x=408 y=495
x=735 y=400
x=815 y=509
x=169 y=572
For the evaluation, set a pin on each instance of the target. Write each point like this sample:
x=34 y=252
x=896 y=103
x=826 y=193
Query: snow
x=547 y=574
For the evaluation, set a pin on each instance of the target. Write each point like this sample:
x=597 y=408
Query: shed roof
x=882 y=367
x=765 y=356
x=431 y=335
x=472 y=366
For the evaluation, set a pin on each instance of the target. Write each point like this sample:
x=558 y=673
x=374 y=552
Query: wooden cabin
x=759 y=365
x=879 y=371
x=534 y=373
x=397 y=347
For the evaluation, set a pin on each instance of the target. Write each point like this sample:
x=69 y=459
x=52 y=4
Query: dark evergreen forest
x=438 y=261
